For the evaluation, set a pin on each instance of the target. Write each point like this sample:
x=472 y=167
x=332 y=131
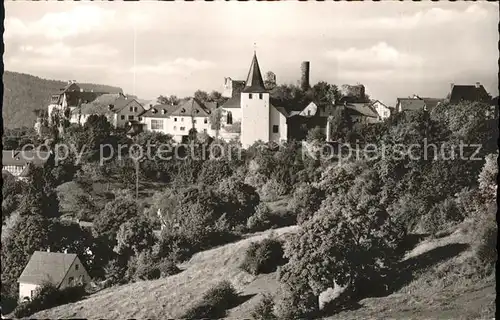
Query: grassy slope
x=168 y=297
x=433 y=293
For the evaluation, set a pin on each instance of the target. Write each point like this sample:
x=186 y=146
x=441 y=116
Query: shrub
x=48 y=296
x=115 y=271
x=214 y=302
x=263 y=257
x=442 y=216
x=485 y=238
x=291 y=304
x=306 y=201
x=272 y=190
x=261 y=219
x=146 y=268
x=168 y=268
x=255 y=179
x=264 y=310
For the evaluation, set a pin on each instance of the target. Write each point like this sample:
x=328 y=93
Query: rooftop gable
x=469 y=93
x=47 y=266
x=254 y=82
x=192 y=108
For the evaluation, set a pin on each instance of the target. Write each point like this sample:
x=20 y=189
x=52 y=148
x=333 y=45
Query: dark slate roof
x=431 y=103
x=21 y=158
x=411 y=104
x=234 y=102
x=47 y=266
x=159 y=111
x=192 y=107
x=254 y=81
x=102 y=103
x=363 y=109
x=469 y=93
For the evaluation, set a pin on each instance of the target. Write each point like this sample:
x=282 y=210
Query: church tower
x=255 y=108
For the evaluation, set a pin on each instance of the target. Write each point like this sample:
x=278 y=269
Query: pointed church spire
x=254 y=81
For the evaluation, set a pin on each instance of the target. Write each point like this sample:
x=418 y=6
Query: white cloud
x=179 y=66
x=60 y=25
x=379 y=56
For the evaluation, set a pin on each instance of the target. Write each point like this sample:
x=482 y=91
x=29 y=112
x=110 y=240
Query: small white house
x=61 y=269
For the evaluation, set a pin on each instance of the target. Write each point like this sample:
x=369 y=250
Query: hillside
x=23 y=93
x=439 y=289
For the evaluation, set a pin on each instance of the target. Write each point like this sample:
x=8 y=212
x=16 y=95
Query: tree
x=316 y=135
x=215 y=120
x=29 y=234
x=348 y=242
x=238 y=200
x=216 y=97
x=214 y=171
x=201 y=96
x=170 y=100
x=134 y=236
x=488 y=178
x=340 y=124
x=115 y=213
x=97 y=129
x=270 y=81
x=325 y=94
x=306 y=201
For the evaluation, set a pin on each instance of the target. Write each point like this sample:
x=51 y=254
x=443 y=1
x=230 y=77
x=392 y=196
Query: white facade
x=256 y=118
x=177 y=126
x=277 y=126
x=382 y=110
x=76 y=274
x=310 y=110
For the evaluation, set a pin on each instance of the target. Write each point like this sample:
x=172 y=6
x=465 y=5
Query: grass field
x=441 y=288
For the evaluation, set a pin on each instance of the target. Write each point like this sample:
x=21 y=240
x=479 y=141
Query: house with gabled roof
x=19 y=163
x=74 y=95
x=60 y=269
x=118 y=108
x=179 y=120
x=472 y=93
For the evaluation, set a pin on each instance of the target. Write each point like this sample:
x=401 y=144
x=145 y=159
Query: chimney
x=304 y=75
x=478 y=85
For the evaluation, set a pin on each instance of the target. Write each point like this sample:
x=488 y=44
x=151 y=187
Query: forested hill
x=23 y=93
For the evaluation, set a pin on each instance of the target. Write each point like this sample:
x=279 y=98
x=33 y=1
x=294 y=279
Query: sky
x=396 y=49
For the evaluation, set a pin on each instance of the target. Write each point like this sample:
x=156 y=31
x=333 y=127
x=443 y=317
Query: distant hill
x=23 y=93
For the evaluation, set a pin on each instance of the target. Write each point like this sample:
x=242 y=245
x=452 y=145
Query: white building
x=382 y=110
x=60 y=269
x=179 y=120
x=17 y=162
x=253 y=111
x=119 y=109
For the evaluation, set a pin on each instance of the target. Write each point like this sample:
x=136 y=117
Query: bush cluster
x=48 y=296
x=263 y=257
x=214 y=302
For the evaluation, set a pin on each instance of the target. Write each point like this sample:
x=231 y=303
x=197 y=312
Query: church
x=251 y=112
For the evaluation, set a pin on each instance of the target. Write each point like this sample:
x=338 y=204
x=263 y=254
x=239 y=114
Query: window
x=157 y=124
x=183 y=128
x=70 y=280
x=229 y=118
x=140 y=118
x=76 y=266
x=205 y=130
x=122 y=117
x=131 y=109
x=308 y=112
x=135 y=109
x=175 y=128
x=250 y=96
x=261 y=95
x=32 y=294
x=131 y=117
x=205 y=121
x=276 y=129
x=175 y=119
x=182 y=119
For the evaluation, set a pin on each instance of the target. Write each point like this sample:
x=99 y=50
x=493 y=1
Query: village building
x=416 y=103
x=472 y=93
x=18 y=163
x=61 y=269
x=178 y=121
x=120 y=110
